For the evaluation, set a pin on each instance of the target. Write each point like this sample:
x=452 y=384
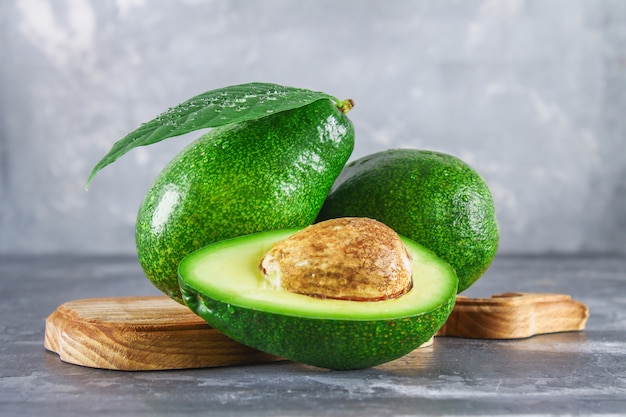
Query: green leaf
x=214 y=108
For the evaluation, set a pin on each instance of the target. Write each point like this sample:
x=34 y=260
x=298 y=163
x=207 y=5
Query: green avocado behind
x=269 y=173
x=433 y=198
x=223 y=283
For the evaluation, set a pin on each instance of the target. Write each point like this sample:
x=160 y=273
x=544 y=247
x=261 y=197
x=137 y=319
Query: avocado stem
x=346 y=105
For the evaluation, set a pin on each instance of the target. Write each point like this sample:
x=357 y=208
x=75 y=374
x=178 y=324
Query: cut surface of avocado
x=224 y=284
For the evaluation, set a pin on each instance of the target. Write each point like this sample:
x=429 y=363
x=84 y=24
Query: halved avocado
x=224 y=285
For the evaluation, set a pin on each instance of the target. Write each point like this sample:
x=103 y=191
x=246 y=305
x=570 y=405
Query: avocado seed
x=350 y=258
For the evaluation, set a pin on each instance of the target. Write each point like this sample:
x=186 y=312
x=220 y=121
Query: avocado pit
x=350 y=258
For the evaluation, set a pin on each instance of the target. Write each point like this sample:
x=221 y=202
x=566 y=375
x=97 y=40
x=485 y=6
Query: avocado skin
x=325 y=343
x=430 y=197
x=269 y=173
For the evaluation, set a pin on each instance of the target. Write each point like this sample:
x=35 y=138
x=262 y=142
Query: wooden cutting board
x=156 y=333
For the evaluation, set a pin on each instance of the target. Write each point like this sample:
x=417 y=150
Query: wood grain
x=156 y=333
x=140 y=333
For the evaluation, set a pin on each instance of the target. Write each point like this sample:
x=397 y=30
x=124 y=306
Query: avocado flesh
x=224 y=285
x=265 y=174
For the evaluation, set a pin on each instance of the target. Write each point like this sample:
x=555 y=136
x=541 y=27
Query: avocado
x=224 y=284
x=262 y=174
x=433 y=198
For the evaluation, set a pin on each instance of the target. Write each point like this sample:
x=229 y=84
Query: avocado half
x=224 y=285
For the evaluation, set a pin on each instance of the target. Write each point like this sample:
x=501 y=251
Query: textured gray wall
x=531 y=93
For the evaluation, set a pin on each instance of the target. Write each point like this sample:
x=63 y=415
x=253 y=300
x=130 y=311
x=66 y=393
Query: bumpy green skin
x=333 y=344
x=432 y=198
x=270 y=173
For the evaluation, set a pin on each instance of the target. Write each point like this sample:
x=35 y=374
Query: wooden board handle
x=514 y=315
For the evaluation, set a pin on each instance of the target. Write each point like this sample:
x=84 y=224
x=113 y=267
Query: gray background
x=530 y=93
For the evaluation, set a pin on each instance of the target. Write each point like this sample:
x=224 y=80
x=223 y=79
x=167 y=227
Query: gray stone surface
x=577 y=373
x=529 y=92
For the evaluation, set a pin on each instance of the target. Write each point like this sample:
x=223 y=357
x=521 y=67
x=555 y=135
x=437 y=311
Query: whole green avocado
x=433 y=198
x=264 y=174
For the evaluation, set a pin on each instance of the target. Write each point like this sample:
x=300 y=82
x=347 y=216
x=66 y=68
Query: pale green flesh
x=229 y=272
